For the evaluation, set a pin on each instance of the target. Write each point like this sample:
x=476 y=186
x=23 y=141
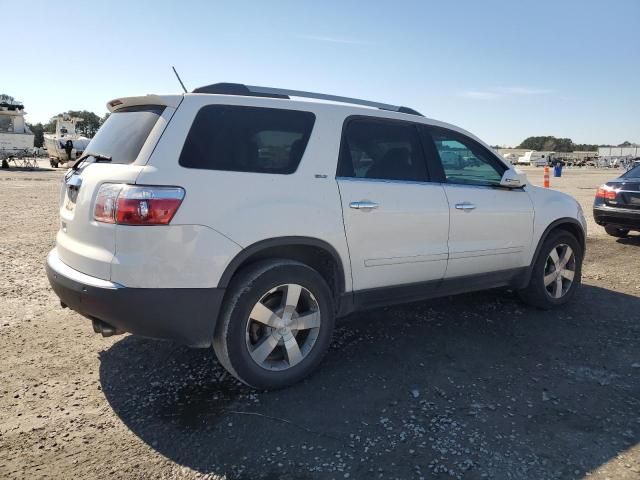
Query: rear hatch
x=627 y=190
x=116 y=154
x=629 y=195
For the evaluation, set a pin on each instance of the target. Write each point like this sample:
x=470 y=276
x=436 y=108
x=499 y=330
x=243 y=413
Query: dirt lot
x=468 y=387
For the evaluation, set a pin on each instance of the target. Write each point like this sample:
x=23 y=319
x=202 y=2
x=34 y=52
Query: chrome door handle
x=364 y=205
x=465 y=206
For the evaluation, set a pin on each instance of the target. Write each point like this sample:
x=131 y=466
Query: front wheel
x=556 y=273
x=616 y=232
x=276 y=324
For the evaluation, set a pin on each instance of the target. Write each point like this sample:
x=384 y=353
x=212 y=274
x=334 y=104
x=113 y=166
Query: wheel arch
x=567 y=224
x=316 y=253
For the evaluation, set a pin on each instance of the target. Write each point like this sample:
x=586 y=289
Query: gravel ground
x=466 y=387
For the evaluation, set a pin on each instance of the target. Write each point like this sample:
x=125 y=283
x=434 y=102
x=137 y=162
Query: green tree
x=50 y=126
x=38 y=132
x=88 y=126
x=4 y=98
x=553 y=144
x=585 y=147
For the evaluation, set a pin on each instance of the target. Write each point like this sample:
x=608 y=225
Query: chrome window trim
x=498 y=186
x=416 y=182
x=384 y=180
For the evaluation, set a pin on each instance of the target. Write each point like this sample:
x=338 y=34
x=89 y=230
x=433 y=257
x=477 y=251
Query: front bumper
x=617 y=217
x=185 y=315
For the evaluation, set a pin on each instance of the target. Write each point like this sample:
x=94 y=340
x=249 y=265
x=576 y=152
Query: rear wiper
x=98 y=156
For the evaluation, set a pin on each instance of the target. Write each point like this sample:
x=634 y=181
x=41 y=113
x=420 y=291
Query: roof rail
x=255 y=91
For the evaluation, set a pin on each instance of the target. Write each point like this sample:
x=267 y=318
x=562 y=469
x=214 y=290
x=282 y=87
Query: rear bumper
x=185 y=315
x=617 y=217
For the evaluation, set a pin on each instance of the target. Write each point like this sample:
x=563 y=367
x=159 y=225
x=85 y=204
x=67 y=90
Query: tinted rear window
x=383 y=150
x=247 y=139
x=121 y=137
x=633 y=173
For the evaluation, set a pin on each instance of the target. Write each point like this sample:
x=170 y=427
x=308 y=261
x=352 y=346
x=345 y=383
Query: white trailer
x=535 y=158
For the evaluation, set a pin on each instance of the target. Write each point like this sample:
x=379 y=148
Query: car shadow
x=631 y=239
x=463 y=386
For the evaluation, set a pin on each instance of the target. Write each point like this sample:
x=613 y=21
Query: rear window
x=247 y=139
x=633 y=173
x=121 y=137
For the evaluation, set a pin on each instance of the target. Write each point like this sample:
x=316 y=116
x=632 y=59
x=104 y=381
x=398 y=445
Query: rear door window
x=382 y=150
x=247 y=139
x=122 y=136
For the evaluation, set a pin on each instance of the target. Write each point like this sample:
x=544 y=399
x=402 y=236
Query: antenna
x=179 y=79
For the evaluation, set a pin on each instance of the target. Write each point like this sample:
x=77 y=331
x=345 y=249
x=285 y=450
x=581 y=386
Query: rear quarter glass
x=633 y=173
x=247 y=139
x=123 y=134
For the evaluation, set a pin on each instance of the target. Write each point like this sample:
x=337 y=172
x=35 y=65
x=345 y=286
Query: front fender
x=553 y=208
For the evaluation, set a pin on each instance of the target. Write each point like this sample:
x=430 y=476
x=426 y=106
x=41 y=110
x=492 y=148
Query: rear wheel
x=276 y=324
x=616 y=232
x=556 y=273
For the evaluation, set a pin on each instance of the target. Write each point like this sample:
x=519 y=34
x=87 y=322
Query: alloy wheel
x=283 y=327
x=559 y=271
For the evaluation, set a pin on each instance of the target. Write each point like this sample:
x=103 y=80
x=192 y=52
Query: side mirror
x=513 y=179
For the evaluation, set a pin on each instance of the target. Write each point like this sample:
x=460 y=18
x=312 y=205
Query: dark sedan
x=617 y=204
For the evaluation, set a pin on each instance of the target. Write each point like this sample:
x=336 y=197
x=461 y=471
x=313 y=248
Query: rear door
x=115 y=155
x=490 y=226
x=396 y=220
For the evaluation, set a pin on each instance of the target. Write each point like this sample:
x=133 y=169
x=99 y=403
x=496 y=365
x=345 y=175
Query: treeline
x=88 y=126
x=553 y=144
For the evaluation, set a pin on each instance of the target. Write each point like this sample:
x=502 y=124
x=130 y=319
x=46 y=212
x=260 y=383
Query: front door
x=396 y=221
x=490 y=226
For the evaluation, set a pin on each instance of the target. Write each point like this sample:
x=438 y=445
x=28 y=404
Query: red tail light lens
x=137 y=205
x=606 y=192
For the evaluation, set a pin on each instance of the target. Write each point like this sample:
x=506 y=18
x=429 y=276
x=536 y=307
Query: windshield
x=121 y=137
x=633 y=173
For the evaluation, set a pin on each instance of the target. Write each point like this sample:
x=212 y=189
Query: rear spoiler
x=165 y=100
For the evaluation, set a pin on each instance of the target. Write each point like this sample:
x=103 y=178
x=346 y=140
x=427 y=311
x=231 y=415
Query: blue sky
x=501 y=69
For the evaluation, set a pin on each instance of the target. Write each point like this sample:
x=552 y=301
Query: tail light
x=137 y=205
x=606 y=192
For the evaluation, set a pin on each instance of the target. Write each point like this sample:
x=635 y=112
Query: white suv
x=238 y=218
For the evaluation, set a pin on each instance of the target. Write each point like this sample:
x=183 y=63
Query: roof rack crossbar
x=239 y=89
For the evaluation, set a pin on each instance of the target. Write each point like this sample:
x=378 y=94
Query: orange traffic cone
x=546 y=177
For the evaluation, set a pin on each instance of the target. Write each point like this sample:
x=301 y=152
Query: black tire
x=536 y=293
x=616 y=232
x=245 y=290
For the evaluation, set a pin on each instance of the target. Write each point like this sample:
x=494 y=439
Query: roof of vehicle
x=255 y=91
x=275 y=95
